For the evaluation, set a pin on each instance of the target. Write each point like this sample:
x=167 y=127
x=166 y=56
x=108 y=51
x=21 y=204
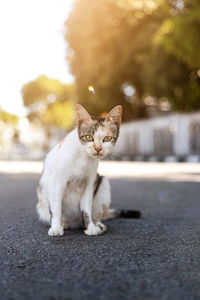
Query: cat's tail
x=121 y=213
x=43 y=207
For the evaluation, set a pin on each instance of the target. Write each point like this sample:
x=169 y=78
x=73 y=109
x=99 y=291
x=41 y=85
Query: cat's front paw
x=56 y=231
x=102 y=226
x=93 y=230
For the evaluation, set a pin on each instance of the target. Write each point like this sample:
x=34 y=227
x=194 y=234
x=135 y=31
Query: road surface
x=156 y=257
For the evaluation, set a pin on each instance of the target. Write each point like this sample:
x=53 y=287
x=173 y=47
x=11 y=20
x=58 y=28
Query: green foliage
x=180 y=33
x=49 y=102
x=110 y=40
x=167 y=77
x=60 y=114
x=44 y=87
x=8 y=118
x=189 y=98
x=175 y=59
x=151 y=45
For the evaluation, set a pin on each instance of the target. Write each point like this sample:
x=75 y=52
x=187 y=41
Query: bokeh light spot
x=91 y=89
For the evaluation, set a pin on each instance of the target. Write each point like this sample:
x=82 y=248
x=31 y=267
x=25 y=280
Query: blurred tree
x=49 y=102
x=130 y=49
x=173 y=70
x=167 y=77
x=182 y=29
x=8 y=118
x=108 y=43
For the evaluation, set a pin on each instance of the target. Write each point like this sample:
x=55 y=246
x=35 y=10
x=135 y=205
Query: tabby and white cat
x=70 y=193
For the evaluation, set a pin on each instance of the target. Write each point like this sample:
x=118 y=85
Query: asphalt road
x=156 y=257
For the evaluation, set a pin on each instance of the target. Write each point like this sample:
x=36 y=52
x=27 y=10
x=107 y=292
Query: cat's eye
x=107 y=139
x=89 y=138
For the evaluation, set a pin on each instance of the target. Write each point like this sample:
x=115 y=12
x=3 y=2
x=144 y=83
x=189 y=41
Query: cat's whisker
x=114 y=155
x=123 y=152
x=110 y=155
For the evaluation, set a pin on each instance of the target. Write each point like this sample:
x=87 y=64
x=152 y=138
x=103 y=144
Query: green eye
x=89 y=138
x=107 y=139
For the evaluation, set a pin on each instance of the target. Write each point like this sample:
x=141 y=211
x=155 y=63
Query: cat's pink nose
x=98 y=149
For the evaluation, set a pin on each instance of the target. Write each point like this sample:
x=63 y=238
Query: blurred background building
x=170 y=139
x=142 y=54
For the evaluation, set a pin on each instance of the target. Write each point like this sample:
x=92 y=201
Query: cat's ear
x=115 y=114
x=82 y=114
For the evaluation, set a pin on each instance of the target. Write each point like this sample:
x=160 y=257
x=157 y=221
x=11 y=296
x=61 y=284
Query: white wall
x=169 y=135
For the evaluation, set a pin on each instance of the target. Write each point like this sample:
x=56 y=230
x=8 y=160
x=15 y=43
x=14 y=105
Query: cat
x=70 y=192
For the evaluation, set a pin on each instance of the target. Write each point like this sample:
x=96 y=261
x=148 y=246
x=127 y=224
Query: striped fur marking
x=97 y=184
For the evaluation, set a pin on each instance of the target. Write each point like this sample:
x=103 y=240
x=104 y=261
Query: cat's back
x=62 y=154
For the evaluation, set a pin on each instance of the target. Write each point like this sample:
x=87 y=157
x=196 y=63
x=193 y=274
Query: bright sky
x=32 y=44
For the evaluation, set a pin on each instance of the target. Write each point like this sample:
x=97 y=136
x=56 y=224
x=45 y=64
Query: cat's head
x=98 y=135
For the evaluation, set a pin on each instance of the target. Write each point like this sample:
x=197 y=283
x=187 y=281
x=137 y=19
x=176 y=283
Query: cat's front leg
x=86 y=209
x=55 y=200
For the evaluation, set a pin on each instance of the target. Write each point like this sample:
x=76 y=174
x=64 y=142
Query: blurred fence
x=28 y=140
x=174 y=137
